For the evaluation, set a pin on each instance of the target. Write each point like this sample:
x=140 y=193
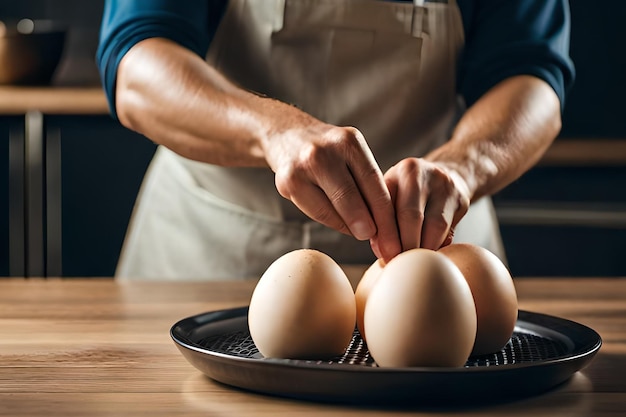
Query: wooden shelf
x=53 y=100
x=586 y=152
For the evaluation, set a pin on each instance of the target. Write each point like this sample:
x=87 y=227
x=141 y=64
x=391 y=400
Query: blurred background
x=566 y=217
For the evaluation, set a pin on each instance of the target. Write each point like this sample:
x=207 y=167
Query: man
x=327 y=124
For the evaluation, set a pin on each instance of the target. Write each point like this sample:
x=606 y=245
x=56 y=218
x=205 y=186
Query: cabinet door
x=4 y=196
x=565 y=221
x=12 y=204
x=101 y=168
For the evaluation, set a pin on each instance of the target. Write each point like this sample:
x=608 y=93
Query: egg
x=493 y=291
x=362 y=292
x=302 y=307
x=420 y=313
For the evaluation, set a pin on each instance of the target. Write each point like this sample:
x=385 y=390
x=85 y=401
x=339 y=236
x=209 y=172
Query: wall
x=596 y=104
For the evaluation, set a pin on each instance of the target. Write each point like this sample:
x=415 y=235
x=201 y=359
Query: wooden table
x=97 y=347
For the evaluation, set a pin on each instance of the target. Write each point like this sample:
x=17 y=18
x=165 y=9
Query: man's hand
x=330 y=174
x=429 y=201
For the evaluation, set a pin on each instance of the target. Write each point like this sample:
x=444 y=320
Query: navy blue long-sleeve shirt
x=503 y=38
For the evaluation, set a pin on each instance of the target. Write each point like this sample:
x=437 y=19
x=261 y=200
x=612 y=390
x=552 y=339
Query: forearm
x=502 y=135
x=173 y=97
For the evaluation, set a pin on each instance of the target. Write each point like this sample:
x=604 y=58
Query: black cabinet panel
x=102 y=168
x=535 y=250
x=605 y=184
x=4 y=196
x=12 y=197
x=568 y=221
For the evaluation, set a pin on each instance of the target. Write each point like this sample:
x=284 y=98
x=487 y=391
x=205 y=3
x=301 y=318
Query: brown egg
x=363 y=290
x=420 y=313
x=494 y=295
x=302 y=307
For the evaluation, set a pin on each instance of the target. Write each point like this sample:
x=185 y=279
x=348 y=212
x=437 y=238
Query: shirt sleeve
x=505 y=38
x=127 y=22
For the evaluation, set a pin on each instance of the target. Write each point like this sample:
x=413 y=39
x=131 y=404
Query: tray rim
x=588 y=350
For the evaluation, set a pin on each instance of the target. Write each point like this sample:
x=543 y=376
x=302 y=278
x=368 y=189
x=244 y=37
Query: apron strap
x=279 y=15
x=419 y=23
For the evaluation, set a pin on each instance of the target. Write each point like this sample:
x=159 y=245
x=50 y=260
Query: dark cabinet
x=101 y=168
x=12 y=197
x=68 y=186
x=4 y=196
x=565 y=221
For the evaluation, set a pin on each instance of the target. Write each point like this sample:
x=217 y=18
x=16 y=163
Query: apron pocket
x=330 y=59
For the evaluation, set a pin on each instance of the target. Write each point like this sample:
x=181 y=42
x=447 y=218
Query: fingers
x=437 y=222
x=378 y=199
x=410 y=202
x=376 y=247
x=448 y=240
x=387 y=246
x=346 y=200
x=428 y=203
x=312 y=201
x=338 y=183
x=444 y=210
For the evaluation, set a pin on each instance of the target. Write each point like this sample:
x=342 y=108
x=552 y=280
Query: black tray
x=543 y=352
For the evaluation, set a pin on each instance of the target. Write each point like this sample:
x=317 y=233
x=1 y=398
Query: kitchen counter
x=97 y=347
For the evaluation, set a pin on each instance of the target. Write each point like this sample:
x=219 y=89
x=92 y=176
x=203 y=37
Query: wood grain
x=53 y=100
x=586 y=152
x=97 y=347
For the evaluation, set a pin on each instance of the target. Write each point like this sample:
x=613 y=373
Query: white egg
x=493 y=291
x=420 y=313
x=363 y=290
x=302 y=307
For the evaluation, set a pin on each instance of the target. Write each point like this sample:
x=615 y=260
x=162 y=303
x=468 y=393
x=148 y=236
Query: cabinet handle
x=54 y=267
x=34 y=175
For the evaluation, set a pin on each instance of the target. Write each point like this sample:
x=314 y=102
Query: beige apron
x=387 y=68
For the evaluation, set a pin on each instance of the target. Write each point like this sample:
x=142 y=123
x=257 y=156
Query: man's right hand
x=330 y=174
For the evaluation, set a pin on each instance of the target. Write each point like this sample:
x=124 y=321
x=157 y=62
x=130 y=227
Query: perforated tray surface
x=543 y=352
